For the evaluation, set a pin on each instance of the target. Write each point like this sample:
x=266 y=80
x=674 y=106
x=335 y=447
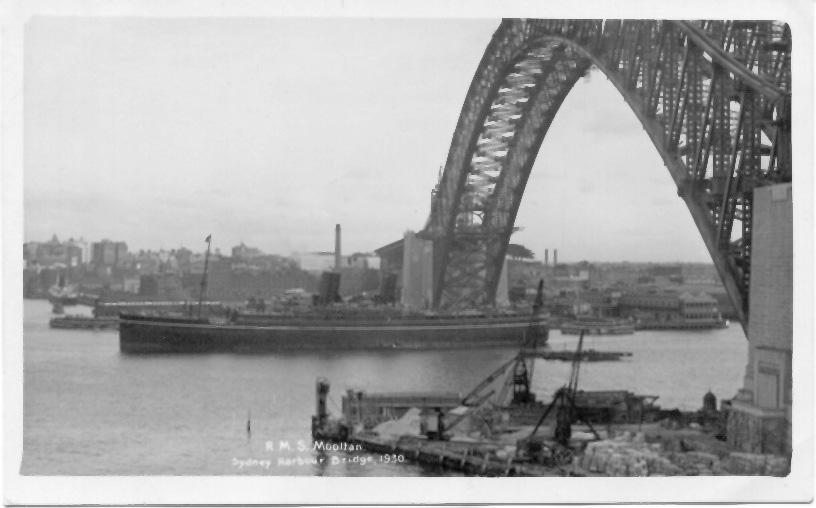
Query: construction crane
x=566 y=412
x=524 y=363
x=520 y=375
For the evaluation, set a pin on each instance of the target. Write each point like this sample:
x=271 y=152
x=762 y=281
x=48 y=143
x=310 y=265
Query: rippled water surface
x=89 y=410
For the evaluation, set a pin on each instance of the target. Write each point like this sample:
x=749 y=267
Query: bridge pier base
x=760 y=416
x=754 y=429
x=417 y=272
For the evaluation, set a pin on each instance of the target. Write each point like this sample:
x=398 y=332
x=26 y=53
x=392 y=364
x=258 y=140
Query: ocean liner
x=327 y=326
x=319 y=331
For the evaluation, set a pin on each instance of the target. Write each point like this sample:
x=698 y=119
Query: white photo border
x=18 y=489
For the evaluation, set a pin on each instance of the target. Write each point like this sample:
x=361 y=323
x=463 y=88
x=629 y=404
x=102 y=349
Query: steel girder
x=713 y=96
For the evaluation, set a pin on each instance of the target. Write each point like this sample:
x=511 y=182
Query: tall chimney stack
x=546 y=257
x=555 y=257
x=337 y=253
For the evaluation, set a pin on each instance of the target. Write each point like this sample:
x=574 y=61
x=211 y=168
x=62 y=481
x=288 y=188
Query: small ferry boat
x=62 y=294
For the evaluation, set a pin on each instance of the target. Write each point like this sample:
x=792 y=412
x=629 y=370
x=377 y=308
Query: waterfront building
x=654 y=308
x=601 y=303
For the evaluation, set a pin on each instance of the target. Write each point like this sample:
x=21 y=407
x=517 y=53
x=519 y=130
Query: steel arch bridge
x=713 y=96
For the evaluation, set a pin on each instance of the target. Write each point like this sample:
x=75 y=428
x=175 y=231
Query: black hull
x=140 y=335
x=713 y=325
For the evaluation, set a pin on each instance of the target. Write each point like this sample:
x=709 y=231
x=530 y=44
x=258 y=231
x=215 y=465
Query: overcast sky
x=269 y=131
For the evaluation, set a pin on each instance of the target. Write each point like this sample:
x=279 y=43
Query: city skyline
x=162 y=131
x=545 y=255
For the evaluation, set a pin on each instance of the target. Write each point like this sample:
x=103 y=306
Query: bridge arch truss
x=713 y=96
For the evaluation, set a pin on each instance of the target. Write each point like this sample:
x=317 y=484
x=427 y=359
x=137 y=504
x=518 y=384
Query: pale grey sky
x=269 y=131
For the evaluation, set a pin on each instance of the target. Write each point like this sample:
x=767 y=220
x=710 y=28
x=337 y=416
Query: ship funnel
x=337 y=252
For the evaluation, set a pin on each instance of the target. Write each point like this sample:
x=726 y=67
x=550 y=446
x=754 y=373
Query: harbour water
x=89 y=410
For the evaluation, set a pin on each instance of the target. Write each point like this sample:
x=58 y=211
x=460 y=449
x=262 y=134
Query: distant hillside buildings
x=109 y=254
x=108 y=267
x=649 y=292
x=53 y=252
x=656 y=295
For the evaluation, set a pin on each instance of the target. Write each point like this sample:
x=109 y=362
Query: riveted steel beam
x=706 y=93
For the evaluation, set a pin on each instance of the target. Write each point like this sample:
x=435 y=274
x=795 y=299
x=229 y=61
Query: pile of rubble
x=756 y=464
x=626 y=457
x=630 y=454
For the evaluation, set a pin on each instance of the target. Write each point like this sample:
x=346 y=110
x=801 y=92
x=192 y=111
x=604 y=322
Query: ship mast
x=204 y=276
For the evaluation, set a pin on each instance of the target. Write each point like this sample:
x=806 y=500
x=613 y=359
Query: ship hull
x=138 y=335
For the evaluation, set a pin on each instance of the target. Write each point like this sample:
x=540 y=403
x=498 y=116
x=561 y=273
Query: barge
x=587 y=355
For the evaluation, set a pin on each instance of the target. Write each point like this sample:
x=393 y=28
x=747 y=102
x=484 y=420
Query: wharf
x=470 y=457
x=623 y=450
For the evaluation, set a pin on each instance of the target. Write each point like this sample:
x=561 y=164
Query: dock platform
x=471 y=458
